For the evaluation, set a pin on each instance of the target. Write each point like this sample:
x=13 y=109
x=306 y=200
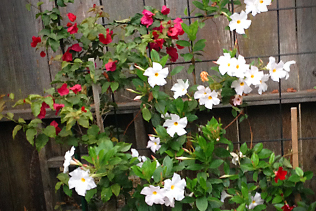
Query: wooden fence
x=287 y=30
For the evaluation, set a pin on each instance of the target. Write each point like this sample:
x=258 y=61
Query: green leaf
x=41 y=141
x=30 y=133
x=105 y=86
x=241 y=207
x=199 y=45
x=258 y=147
x=83 y=122
x=183 y=43
x=50 y=131
x=287 y=163
x=116 y=189
x=176 y=70
x=10 y=115
x=216 y=163
x=90 y=193
x=277 y=199
x=191 y=68
x=154 y=55
x=146 y=114
x=202 y=203
x=39 y=3
x=272 y=158
x=66 y=190
x=299 y=171
x=28 y=7
x=264 y=153
x=244 y=148
x=187 y=57
x=106 y=194
x=198 y=5
x=114 y=86
x=15 y=130
x=255 y=159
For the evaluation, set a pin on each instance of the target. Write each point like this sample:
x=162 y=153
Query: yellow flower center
x=155 y=192
x=228 y=64
x=155 y=143
x=210 y=97
x=261 y=2
x=156 y=74
x=252 y=76
x=238 y=22
x=172 y=187
x=237 y=66
x=175 y=123
x=83 y=180
x=253 y=201
x=274 y=70
x=205 y=93
x=183 y=90
x=260 y=81
x=242 y=83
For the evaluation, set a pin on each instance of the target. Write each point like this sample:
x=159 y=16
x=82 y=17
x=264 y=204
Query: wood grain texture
x=23 y=70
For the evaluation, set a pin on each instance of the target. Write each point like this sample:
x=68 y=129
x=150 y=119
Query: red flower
x=160 y=28
x=287 y=207
x=147 y=19
x=71 y=17
x=173 y=32
x=172 y=53
x=67 y=56
x=165 y=10
x=55 y=124
x=280 y=174
x=69 y=24
x=94 y=5
x=108 y=39
x=157 y=44
x=42 y=54
x=76 y=88
x=73 y=29
x=35 y=41
x=63 y=90
x=179 y=46
x=110 y=66
x=83 y=109
x=57 y=107
x=75 y=47
x=42 y=113
x=177 y=24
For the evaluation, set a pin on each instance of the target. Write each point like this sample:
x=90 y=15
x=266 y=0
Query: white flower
x=180 y=88
x=166 y=115
x=154 y=195
x=240 y=67
x=201 y=92
x=135 y=153
x=257 y=6
x=176 y=125
x=210 y=99
x=255 y=200
x=68 y=159
x=262 y=87
x=239 y=22
x=253 y=76
x=276 y=70
x=153 y=144
x=236 y=157
x=226 y=64
x=174 y=188
x=168 y=202
x=81 y=181
x=286 y=67
x=241 y=86
x=156 y=74
x=141 y=159
x=224 y=195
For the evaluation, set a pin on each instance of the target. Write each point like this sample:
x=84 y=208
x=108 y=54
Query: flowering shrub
x=191 y=171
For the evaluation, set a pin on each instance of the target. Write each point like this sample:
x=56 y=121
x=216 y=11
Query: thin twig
x=241 y=112
x=251 y=134
x=131 y=122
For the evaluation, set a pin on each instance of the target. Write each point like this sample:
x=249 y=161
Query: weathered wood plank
x=294 y=130
x=24 y=71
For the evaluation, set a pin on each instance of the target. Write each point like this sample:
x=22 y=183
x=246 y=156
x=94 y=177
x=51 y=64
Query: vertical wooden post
x=294 y=136
x=96 y=99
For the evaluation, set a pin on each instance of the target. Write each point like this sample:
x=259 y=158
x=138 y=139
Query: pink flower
x=76 y=88
x=42 y=113
x=172 y=53
x=83 y=109
x=63 y=90
x=108 y=39
x=35 y=41
x=165 y=10
x=42 y=54
x=147 y=19
x=173 y=32
x=55 y=124
x=75 y=47
x=57 y=107
x=67 y=56
x=71 y=17
x=237 y=100
x=111 y=66
x=160 y=28
x=73 y=29
x=177 y=24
